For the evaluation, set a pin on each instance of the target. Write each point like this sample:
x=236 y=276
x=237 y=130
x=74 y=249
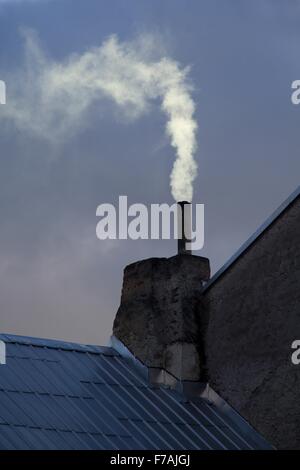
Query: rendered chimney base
x=161 y=319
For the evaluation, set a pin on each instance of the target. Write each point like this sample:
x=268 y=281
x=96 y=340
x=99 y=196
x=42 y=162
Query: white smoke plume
x=51 y=98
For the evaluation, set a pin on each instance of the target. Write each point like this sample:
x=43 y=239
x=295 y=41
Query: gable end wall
x=254 y=316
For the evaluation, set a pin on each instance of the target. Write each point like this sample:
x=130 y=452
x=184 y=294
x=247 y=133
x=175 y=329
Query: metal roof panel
x=57 y=395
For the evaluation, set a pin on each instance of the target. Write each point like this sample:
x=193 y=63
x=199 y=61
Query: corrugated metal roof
x=58 y=395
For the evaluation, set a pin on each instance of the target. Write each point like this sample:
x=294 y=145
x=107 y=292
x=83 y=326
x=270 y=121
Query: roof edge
x=191 y=391
x=57 y=344
x=252 y=239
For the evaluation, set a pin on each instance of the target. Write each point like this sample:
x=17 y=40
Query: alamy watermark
x=2 y=92
x=156 y=221
x=295 y=97
x=295 y=357
x=2 y=352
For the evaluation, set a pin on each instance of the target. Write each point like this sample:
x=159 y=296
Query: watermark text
x=295 y=97
x=2 y=92
x=156 y=221
x=2 y=353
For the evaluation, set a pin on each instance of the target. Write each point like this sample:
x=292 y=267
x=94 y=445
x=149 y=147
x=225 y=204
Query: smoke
x=51 y=99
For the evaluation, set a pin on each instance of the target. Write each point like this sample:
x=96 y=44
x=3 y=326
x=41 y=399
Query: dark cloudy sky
x=56 y=279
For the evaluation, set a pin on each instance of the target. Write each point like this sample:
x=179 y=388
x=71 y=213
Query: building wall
x=254 y=316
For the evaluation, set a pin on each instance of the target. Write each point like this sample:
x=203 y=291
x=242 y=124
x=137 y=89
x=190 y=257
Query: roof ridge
x=57 y=344
x=247 y=244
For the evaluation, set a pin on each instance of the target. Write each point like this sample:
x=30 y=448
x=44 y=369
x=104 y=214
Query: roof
x=59 y=395
x=248 y=243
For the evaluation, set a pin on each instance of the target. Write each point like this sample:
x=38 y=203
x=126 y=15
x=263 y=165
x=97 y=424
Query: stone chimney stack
x=161 y=318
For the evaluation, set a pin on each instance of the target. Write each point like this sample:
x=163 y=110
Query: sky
x=60 y=159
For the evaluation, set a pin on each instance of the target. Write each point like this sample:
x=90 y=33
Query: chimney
x=161 y=317
x=184 y=219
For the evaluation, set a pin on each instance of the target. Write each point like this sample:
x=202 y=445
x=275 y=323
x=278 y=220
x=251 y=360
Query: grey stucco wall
x=158 y=317
x=254 y=316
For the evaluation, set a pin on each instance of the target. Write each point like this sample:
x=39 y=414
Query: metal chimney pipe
x=184 y=226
